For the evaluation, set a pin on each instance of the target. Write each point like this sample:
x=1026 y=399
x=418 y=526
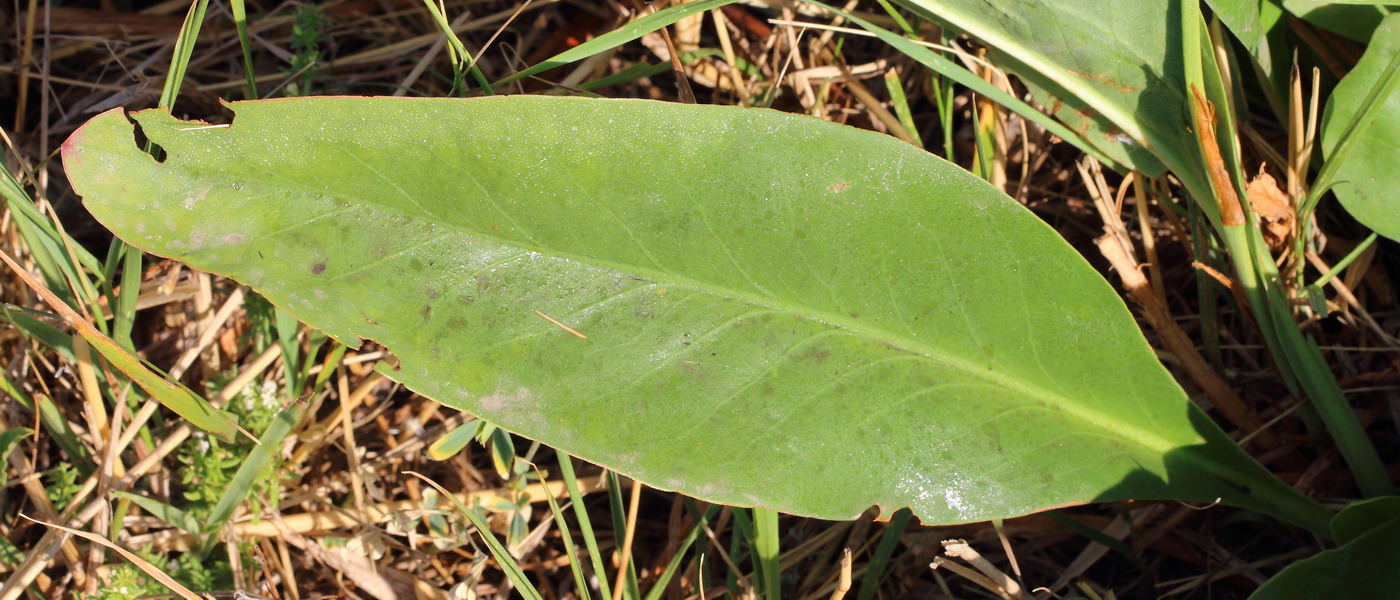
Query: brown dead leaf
x=1274 y=210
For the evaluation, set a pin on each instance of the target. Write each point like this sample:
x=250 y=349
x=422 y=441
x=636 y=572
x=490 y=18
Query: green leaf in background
x=1244 y=19
x=453 y=441
x=9 y=440
x=1361 y=570
x=1356 y=19
x=165 y=512
x=1364 y=516
x=747 y=306
x=1109 y=70
x=1367 y=180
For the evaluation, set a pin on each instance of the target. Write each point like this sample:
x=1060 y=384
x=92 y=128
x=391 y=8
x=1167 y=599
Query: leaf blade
x=734 y=310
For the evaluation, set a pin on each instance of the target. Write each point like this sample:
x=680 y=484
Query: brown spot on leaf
x=318 y=268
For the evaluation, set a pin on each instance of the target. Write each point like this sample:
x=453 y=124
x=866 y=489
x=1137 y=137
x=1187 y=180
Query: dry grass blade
x=141 y=563
x=177 y=398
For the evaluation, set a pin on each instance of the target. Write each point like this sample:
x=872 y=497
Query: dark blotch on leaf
x=318 y=268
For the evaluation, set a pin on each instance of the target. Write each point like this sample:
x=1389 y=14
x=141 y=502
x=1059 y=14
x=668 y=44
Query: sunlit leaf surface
x=747 y=306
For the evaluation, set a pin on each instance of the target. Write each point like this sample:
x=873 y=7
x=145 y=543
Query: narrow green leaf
x=124 y=313
x=619 y=36
x=51 y=248
x=240 y=23
x=663 y=580
x=1119 y=86
x=585 y=525
x=876 y=571
x=643 y=284
x=9 y=440
x=184 y=48
x=53 y=423
x=47 y=335
x=242 y=483
x=901 y=105
x=961 y=75
x=498 y=551
x=287 y=328
x=565 y=536
x=165 y=512
x=766 y=552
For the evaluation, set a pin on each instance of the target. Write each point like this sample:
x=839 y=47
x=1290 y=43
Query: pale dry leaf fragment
x=1274 y=210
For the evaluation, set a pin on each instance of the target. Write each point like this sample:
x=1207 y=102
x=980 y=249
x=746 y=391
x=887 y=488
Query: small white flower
x=263 y=395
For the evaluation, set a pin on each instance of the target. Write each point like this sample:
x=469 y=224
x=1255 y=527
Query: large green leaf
x=778 y=310
x=1370 y=173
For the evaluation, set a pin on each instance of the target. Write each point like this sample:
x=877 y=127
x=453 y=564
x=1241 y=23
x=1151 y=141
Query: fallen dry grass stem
x=629 y=535
x=140 y=563
x=1118 y=252
x=322 y=521
x=347 y=432
x=843 y=582
x=209 y=333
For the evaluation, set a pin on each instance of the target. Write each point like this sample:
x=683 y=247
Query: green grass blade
x=184 y=48
x=901 y=106
x=767 y=552
x=9 y=440
x=878 y=568
x=619 y=515
x=124 y=311
x=619 y=36
x=674 y=564
x=328 y=368
x=175 y=397
x=165 y=512
x=240 y=22
x=462 y=58
x=498 y=551
x=1093 y=535
x=287 y=328
x=571 y=549
x=49 y=246
x=242 y=483
x=42 y=332
x=585 y=525
x=53 y=422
